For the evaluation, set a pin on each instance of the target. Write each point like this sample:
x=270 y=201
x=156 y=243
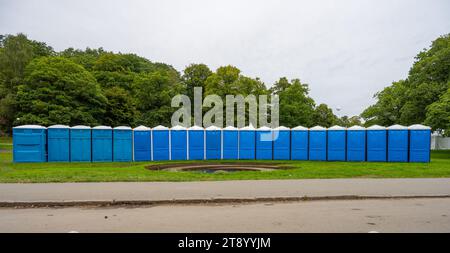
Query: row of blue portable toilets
x=32 y=143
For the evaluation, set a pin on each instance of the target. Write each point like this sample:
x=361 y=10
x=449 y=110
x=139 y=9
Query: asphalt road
x=400 y=215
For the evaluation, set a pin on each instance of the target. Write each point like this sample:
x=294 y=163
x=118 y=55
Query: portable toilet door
x=376 y=144
x=397 y=143
x=178 y=143
x=196 y=140
x=142 y=144
x=318 y=143
x=160 y=143
x=230 y=143
x=299 y=143
x=281 y=143
x=264 y=143
x=213 y=143
x=336 y=146
x=58 y=143
x=356 y=143
x=29 y=143
x=419 y=143
x=122 y=144
x=80 y=144
x=247 y=144
x=102 y=146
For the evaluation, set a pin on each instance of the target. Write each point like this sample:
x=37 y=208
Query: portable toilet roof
x=356 y=128
x=336 y=127
x=264 y=128
x=102 y=127
x=280 y=128
x=317 y=128
x=178 y=127
x=159 y=127
x=142 y=128
x=231 y=128
x=195 y=128
x=213 y=128
x=58 y=126
x=250 y=127
x=419 y=127
x=299 y=128
x=30 y=127
x=397 y=127
x=81 y=127
x=122 y=128
x=376 y=127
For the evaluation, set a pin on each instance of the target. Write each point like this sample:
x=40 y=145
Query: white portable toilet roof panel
x=102 y=127
x=356 y=128
x=335 y=127
x=299 y=128
x=160 y=128
x=142 y=128
x=122 y=128
x=196 y=128
x=317 y=128
x=212 y=128
x=419 y=127
x=81 y=127
x=397 y=127
x=58 y=126
x=376 y=127
x=31 y=127
x=178 y=127
x=264 y=128
x=281 y=128
x=230 y=128
x=250 y=127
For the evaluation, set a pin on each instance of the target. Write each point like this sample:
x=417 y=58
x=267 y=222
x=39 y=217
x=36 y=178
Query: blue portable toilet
x=318 y=143
x=196 y=140
x=247 y=145
x=58 y=143
x=178 y=143
x=356 y=143
x=264 y=143
x=299 y=143
x=122 y=144
x=213 y=143
x=397 y=143
x=230 y=143
x=419 y=143
x=376 y=143
x=160 y=143
x=281 y=143
x=142 y=144
x=336 y=146
x=102 y=144
x=80 y=144
x=29 y=143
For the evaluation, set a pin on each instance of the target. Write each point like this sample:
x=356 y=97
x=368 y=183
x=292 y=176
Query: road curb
x=143 y=203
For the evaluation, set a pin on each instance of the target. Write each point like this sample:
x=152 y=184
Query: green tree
x=406 y=101
x=16 y=51
x=438 y=114
x=195 y=75
x=323 y=116
x=296 y=107
x=58 y=91
x=120 y=108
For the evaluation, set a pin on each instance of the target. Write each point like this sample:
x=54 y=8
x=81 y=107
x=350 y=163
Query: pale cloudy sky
x=345 y=50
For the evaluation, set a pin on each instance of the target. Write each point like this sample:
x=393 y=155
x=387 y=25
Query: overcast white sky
x=345 y=50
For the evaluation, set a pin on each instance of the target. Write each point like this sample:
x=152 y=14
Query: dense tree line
x=423 y=97
x=93 y=86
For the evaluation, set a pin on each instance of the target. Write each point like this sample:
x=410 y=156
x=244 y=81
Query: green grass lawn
x=128 y=172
